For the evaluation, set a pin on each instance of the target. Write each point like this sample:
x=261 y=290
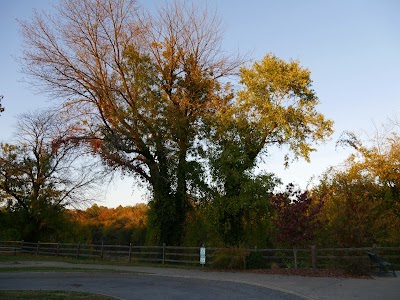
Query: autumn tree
x=295 y=218
x=279 y=107
x=120 y=225
x=352 y=208
x=362 y=196
x=42 y=173
x=380 y=157
x=151 y=95
x=275 y=107
x=144 y=84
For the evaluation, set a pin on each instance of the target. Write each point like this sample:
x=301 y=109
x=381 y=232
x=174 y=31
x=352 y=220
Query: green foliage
x=199 y=229
x=355 y=212
x=354 y=265
x=51 y=295
x=8 y=230
x=138 y=236
x=278 y=106
x=229 y=258
x=255 y=260
x=258 y=230
x=234 y=215
x=241 y=199
x=165 y=220
x=202 y=227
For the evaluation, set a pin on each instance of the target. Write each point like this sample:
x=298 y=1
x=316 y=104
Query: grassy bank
x=51 y=295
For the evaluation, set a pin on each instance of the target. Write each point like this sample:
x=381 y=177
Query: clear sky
x=352 y=48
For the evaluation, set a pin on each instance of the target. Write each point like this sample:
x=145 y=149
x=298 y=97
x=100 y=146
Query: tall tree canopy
x=276 y=106
x=43 y=173
x=143 y=83
x=149 y=91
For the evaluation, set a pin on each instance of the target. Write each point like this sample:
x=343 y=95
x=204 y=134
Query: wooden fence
x=327 y=258
x=307 y=257
x=129 y=253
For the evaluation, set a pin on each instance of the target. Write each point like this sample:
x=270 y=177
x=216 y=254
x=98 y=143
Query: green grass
x=51 y=295
x=72 y=260
x=88 y=261
x=55 y=269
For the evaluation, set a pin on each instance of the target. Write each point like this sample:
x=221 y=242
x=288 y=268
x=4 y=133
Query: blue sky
x=351 y=47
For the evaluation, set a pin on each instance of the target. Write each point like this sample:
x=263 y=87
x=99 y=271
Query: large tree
x=275 y=107
x=41 y=174
x=150 y=92
x=144 y=84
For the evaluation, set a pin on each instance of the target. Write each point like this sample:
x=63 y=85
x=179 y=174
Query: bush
x=229 y=258
x=354 y=266
x=255 y=260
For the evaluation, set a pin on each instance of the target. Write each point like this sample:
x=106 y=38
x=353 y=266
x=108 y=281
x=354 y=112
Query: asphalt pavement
x=132 y=282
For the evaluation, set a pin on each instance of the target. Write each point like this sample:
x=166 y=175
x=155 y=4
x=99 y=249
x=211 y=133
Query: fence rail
x=307 y=257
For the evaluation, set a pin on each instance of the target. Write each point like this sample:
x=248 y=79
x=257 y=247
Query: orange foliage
x=119 y=217
x=95 y=145
x=103 y=222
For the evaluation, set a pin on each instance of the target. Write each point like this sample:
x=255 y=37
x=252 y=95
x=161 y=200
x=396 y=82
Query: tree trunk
x=167 y=214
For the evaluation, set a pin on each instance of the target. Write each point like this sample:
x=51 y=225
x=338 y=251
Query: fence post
x=255 y=248
x=163 y=253
x=102 y=250
x=130 y=252
x=58 y=248
x=314 y=257
x=22 y=246
x=38 y=248
x=77 y=250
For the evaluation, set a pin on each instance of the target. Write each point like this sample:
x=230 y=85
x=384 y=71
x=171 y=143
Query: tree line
x=155 y=96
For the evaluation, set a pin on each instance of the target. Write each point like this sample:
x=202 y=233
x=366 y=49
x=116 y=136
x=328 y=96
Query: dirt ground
x=309 y=273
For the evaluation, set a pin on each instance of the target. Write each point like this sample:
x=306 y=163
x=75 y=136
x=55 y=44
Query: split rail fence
x=312 y=257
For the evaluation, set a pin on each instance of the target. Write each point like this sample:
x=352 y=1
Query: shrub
x=229 y=258
x=255 y=260
x=354 y=266
x=275 y=266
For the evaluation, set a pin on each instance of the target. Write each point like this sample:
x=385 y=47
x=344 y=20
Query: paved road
x=139 y=286
x=200 y=284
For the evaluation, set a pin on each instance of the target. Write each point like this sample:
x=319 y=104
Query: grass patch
x=51 y=295
x=89 y=261
x=62 y=269
x=71 y=260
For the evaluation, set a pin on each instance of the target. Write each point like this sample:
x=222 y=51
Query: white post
x=202 y=256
